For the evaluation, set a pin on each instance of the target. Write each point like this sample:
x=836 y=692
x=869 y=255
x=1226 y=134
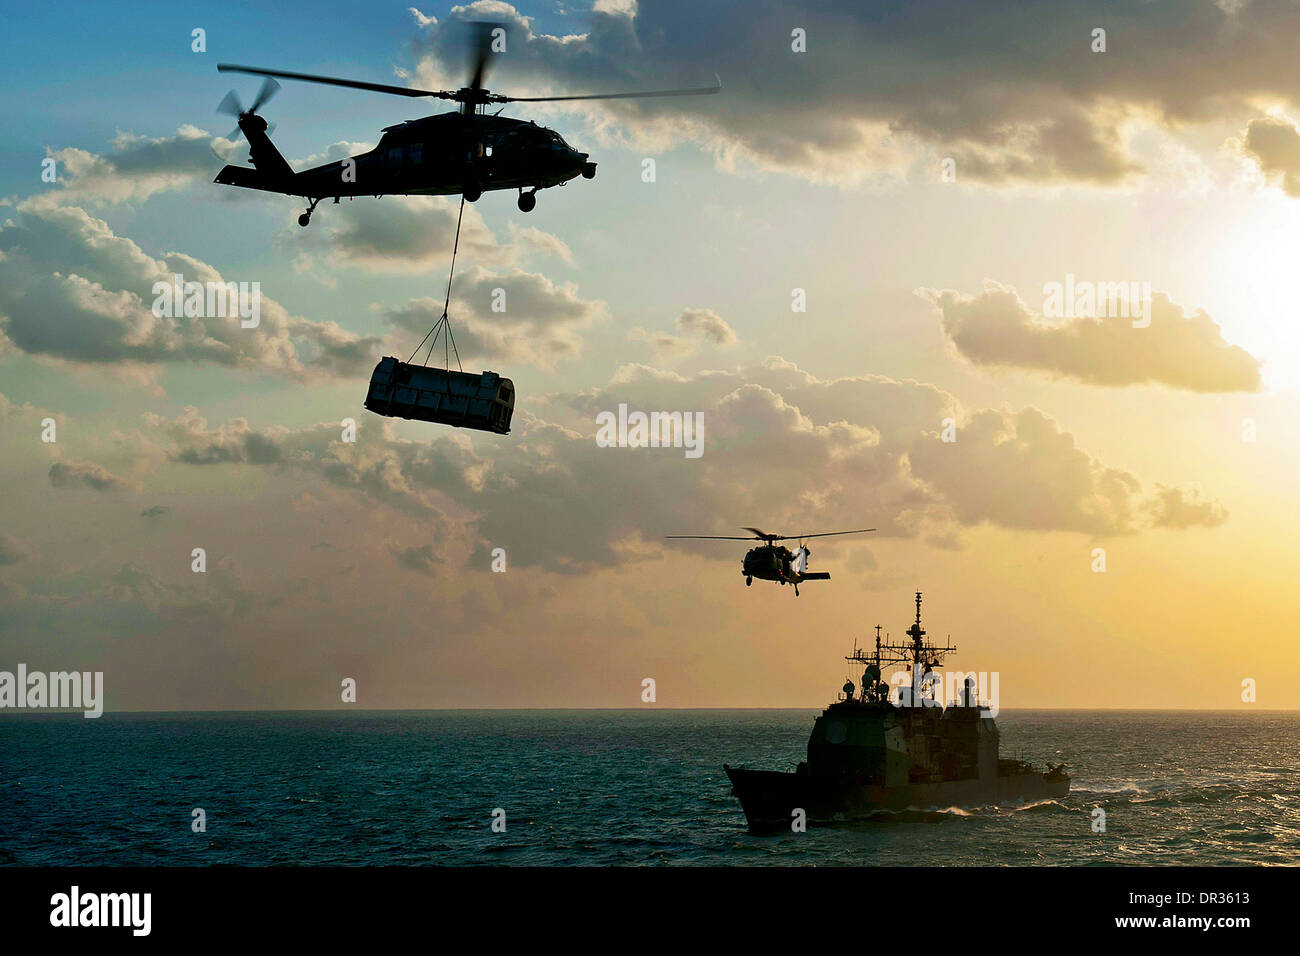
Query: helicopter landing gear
x=796 y=590
x=749 y=582
x=305 y=218
x=527 y=201
x=472 y=192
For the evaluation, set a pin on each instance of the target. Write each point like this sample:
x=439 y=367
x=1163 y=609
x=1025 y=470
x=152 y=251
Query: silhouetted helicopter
x=467 y=152
x=775 y=562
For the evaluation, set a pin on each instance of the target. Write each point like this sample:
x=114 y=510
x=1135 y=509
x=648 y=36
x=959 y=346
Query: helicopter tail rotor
x=230 y=105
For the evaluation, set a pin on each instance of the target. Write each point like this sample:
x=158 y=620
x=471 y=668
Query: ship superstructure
x=891 y=747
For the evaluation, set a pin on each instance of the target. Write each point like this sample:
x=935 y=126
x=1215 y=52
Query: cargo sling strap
x=444 y=324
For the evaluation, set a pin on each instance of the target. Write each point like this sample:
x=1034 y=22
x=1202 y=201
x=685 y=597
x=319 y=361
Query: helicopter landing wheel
x=796 y=590
x=472 y=192
x=527 y=201
x=749 y=582
x=305 y=218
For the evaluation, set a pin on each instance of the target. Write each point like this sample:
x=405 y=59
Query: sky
x=1112 y=527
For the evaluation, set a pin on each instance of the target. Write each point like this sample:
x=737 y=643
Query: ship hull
x=770 y=798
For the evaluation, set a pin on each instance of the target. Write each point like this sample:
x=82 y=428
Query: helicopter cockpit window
x=394 y=157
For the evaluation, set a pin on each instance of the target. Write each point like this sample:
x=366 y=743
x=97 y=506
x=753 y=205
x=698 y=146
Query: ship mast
x=917 y=653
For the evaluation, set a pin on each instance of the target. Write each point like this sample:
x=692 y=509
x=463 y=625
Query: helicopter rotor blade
x=698 y=91
x=269 y=88
x=824 y=534
x=335 y=81
x=480 y=52
x=759 y=533
x=230 y=105
x=709 y=537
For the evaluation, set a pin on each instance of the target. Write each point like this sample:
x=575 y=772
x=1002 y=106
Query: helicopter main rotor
x=760 y=535
x=471 y=96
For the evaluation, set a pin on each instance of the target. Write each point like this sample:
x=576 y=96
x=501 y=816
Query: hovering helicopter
x=775 y=562
x=467 y=151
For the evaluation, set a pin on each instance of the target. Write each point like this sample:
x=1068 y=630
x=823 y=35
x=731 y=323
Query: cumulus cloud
x=852 y=449
x=996 y=328
x=137 y=168
x=1019 y=470
x=88 y=474
x=695 y=324
x=73 y=290
x=706 y=324
x=515 y=315
x=663 y=344
x=1274 y=145
x=407 y=233
x=532 y=239
x=420 y=558
x=1178 y=508
x=1048 y=111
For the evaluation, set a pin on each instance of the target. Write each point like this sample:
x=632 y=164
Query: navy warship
x=875 y=750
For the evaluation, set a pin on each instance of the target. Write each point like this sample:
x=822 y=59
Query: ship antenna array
x=918 y=651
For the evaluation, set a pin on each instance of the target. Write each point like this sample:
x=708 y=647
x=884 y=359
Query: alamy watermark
x=932 y=688
x=1093 y=300
x=209 y=300
x=69 y=690
x=651 y=430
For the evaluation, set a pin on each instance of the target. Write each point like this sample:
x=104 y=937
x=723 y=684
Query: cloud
x=414 y=235
x=996 y=328
x=1019 y=470
x=510 y=316
x=532 y=239
x=155 y=511
x=707 y=325
x=862 y=449
x=407 y=234
x=74 y=291
x=1274 y=145
x=1175 y=508
x=138 y=167
x=331 y=154
x=66 y=474
x=663 y=344
x=901 y=83
x=420 y=559
x=702 y=324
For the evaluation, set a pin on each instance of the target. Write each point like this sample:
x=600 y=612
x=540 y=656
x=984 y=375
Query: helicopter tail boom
x=272 y=173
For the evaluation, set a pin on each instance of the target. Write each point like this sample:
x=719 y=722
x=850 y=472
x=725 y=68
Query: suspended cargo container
x=485 y=401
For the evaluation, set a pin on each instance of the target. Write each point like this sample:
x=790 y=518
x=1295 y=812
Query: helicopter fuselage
x=437 y=155
x=769 y=562
x=450 y=153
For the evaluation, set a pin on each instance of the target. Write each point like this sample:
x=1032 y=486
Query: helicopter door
x=801 y=556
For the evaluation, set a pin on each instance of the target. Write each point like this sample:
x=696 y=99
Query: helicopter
x=466 y=151
x=775 y=562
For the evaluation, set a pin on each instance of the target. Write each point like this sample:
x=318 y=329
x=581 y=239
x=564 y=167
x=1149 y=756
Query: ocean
x=596 y=788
